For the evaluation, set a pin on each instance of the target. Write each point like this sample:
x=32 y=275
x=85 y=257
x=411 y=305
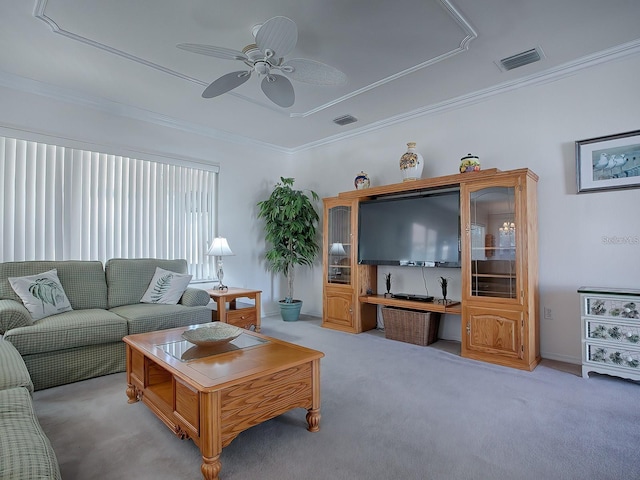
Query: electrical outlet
x=547 y=313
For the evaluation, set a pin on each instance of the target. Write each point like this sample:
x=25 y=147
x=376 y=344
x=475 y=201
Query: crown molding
x=470 y=34
x=39 y=88
x=113 y=148
x=39 y=13
x=36 y=87
x=547 y=76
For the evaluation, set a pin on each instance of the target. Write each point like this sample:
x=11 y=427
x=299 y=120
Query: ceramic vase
x=411 y=163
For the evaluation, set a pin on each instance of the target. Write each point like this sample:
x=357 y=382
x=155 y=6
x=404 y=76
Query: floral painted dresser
x=610 y=331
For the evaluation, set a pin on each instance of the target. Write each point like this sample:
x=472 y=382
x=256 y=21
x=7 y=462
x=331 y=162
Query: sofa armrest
x=195 y=297
x=13 y=315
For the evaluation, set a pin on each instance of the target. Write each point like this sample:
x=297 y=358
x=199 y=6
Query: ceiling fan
x=274 y=39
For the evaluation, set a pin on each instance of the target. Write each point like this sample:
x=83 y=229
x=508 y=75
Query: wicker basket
x=411 y=326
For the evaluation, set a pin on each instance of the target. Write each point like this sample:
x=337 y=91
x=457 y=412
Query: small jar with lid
x=469 y=163
x=361 y=181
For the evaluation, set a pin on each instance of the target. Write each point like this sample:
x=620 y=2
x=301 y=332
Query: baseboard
x=561 y=358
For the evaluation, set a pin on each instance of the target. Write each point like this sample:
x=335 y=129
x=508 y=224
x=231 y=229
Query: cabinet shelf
x=494 y=275
x=451 y=306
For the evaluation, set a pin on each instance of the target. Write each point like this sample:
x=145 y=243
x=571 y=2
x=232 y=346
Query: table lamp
x=220 y=248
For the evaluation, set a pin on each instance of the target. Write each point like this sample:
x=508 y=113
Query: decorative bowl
x=215 y=334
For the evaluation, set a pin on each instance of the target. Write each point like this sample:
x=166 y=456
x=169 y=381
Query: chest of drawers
x=610 y=321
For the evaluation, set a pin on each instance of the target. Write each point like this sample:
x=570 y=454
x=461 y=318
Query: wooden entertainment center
x=499 y=263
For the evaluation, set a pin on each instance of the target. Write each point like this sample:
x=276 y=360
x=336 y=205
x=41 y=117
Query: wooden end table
x=240 y=317
x=210 y=395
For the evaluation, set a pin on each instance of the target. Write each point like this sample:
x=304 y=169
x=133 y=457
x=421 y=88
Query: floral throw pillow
x=166 y=287
x=41 y=294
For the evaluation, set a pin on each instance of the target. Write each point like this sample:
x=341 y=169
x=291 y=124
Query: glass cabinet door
x=339 y=245
x=493 y=230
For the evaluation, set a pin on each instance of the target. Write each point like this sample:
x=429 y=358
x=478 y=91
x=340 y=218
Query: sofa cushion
x=76 y=328
x=166 y=287
x=13 y=371
x=83 y=281
x=128 y=278
x=41 y=294
x=25 y=451
x=147 y=317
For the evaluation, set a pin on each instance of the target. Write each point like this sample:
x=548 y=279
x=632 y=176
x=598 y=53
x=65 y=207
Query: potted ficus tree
x=290 y=229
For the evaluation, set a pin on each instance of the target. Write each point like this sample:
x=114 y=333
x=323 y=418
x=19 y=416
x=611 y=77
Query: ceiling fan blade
x=278 y=35
x=226 y=83
x=210 y=50
x=279 y=90
x=310 y=71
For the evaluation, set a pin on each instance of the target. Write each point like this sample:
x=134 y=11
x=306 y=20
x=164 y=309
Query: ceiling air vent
x=345 y=120
x=521 y=59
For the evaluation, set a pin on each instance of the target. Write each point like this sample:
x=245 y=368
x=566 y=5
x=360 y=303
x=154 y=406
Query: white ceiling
x=401 y=57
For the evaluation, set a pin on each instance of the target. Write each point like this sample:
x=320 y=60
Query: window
x=60 y=203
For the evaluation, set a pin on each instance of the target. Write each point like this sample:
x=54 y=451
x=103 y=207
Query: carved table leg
x=210 y=467
x=132 y=393
x=313 y=414
x=313 y=419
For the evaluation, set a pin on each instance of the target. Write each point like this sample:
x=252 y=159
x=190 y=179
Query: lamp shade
x=220 y=248
x=337 y=249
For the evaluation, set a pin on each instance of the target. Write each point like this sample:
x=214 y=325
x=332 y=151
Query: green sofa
x=25 y=451
x=86 y=342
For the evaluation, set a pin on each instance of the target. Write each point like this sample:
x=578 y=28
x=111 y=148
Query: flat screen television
x=419 y=230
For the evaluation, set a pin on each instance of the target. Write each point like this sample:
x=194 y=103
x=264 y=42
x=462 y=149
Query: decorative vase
x=362 y=181
x=469 y=163
x=411 y=163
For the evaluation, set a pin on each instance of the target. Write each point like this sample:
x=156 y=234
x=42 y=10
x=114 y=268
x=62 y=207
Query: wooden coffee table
x=210 y=395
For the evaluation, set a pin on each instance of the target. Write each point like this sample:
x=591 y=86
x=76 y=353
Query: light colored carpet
x=390 y=410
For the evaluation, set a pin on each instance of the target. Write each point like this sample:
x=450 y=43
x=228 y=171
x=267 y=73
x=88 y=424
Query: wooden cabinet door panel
x=338 y=308
x=493 y=331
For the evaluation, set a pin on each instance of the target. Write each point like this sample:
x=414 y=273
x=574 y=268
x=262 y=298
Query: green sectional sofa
x=87 y=342
x=25 y=451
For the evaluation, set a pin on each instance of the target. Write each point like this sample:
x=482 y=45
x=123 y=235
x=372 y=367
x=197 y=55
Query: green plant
x=290 y=230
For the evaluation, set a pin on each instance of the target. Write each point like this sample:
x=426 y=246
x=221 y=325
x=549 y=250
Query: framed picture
x=608 y=163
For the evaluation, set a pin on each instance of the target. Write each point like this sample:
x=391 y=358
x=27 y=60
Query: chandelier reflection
x=507 y=227
x=507 y=234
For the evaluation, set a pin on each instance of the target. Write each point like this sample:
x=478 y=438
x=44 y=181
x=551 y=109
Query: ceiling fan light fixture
x=274 y=39
x=262 y=68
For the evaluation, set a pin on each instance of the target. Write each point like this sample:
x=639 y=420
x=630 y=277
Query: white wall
x=533 y=127
x=246 y=173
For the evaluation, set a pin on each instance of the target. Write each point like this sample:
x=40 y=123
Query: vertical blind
x=61 y=203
